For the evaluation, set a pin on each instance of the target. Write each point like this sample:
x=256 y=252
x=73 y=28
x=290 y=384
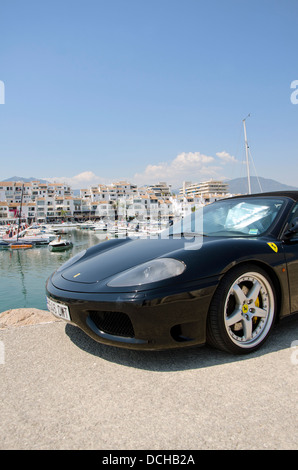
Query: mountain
x=25 y=180
x=240 y=185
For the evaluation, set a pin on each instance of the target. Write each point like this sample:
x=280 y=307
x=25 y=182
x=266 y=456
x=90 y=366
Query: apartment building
x=110 y=192
x=208 y=191
x=10 y=211
x=161 y=189
x=4 y=212
x=11 y=191
x=51 y=202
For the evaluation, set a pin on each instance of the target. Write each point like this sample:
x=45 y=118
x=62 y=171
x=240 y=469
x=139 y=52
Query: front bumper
x=153 y=319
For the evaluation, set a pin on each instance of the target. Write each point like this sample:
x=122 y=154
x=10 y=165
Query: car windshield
x=247 y=217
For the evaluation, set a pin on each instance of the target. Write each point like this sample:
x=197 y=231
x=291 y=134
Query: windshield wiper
x=190 y=234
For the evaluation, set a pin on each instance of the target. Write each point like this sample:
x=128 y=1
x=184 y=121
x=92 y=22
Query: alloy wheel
x=249 y=310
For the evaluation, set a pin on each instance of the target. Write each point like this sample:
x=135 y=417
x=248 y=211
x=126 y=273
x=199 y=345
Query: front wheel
x=242 y=311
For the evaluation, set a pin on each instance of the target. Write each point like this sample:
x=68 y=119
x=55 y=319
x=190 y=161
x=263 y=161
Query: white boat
x=86 y=225
x=61 y=227
x=118 y=229
x=34 y=234
x=40 y=230
x=60 y=244
x=100 y=227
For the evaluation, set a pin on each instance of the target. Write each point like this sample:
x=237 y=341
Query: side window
x=293 y=215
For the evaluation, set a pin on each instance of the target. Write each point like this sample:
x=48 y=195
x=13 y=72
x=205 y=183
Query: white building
x=52 y=202
x=208 y=191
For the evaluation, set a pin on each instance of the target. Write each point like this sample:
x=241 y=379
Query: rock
x=25 y=316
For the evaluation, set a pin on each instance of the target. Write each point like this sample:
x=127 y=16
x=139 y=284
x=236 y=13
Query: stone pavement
x=61 y=390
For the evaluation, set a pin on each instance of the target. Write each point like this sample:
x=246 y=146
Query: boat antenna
x=246 y=150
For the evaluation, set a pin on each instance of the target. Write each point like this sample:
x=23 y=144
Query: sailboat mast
x=247 y=159
x=20 y=214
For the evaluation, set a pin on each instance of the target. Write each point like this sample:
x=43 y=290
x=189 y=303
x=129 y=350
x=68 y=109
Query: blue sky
x=148 y=91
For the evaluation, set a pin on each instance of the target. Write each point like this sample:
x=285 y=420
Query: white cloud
x=226 y=157
x=191 y=159
x=187 y=166
x=80 y=181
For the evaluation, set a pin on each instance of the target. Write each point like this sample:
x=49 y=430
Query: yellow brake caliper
x=257 y=304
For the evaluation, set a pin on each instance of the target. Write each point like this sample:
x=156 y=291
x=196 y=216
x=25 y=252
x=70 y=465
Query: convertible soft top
x=290 y=194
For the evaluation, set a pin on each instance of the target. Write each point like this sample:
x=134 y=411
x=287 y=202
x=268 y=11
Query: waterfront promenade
x=61 y=390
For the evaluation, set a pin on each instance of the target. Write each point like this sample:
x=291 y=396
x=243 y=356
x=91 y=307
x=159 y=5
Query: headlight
x=72 y=260
x=155 y=270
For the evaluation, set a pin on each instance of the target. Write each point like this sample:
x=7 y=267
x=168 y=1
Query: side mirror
x=292 y=229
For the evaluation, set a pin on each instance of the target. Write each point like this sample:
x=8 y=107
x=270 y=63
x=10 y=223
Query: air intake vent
x=113 y=323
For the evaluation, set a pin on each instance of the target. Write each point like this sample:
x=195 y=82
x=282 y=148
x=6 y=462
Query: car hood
x=117 y=257
x=210 y=257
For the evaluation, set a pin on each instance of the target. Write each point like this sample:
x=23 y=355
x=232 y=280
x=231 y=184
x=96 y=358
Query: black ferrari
x=223 y=275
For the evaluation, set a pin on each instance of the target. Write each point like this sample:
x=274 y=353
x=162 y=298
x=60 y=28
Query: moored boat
x=20 y=246
x=33 y=235
x=60 y=244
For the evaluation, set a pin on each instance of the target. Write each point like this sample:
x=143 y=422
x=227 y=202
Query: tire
x=242 y=311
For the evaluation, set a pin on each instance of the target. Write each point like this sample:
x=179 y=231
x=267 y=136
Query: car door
x=291 y=253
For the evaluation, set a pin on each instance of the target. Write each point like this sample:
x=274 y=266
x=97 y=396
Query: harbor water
x=23 y=273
